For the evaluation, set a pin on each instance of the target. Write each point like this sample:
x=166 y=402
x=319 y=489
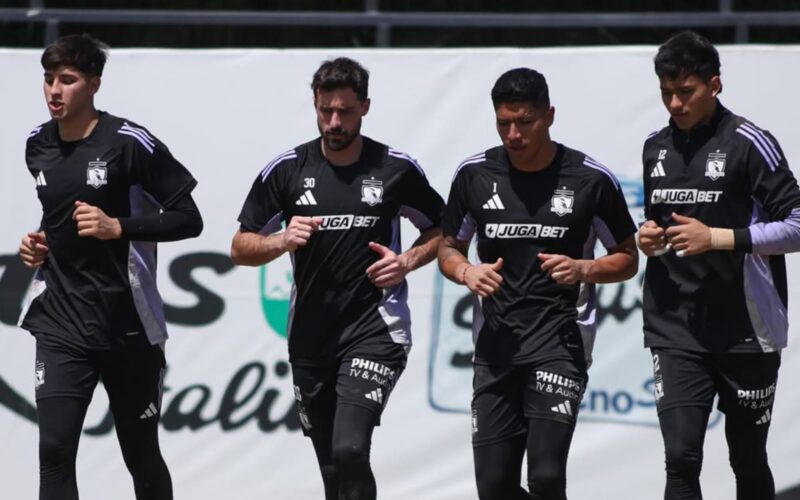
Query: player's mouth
x=56 y=106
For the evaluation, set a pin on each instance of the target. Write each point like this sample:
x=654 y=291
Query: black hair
x=686 y=54
x=81 y=52
x=339 y=73
x=521 y=85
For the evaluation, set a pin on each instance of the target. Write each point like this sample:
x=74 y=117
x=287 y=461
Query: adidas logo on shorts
x=564 y=408
x=376 y=395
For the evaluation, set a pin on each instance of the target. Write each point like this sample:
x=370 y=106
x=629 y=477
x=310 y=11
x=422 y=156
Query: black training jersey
x=727 y=174
x=93 y=293
x=562 y=209
x=334 y=304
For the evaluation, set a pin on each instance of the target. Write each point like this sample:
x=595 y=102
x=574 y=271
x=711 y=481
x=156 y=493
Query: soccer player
x=109 y=191
x=341 y=196
x=722 y=207
x=537 y=208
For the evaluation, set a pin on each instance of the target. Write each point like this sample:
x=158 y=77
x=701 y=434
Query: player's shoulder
x=746 y=133
x=43 y=133
x=400 y=159
x=478 y=163
x=657 y=137
x=589 y=167
x=284 y=160
x=126 y=132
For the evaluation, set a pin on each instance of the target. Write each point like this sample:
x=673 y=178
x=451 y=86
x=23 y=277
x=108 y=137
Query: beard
x=338 y=139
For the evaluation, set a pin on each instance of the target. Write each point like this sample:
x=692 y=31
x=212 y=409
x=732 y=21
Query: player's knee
x=547 y=481
x=682 y=460
x=495 y=484
x=349 y=454
x=56 y=452
x=749 y=462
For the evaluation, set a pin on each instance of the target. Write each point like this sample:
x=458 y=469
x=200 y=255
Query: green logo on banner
x=275 y=283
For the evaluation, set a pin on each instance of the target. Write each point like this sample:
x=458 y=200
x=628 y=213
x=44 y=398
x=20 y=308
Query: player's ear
x=365 y=106
x=94 y=84
x=716 y=85
x=551 y=115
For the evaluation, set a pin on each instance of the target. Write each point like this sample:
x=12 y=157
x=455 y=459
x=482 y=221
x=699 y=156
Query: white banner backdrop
x=228 y=425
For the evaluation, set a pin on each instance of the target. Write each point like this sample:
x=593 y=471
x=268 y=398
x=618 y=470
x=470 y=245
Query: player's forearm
x=253 y=249
x=180 y=221
x=166 y=226
x=453 y=260
x=620 y=264
x=772 y=238
x=423 y=250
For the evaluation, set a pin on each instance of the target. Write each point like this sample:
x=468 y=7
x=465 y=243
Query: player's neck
x=77 y=127
x=540 y=161
x=346 y=156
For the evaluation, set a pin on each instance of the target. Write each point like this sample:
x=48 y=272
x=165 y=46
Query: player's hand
x=33 y=249
x=299 y=231
x=562 y=269
x=652 y=239
x=484 y=279
x=94 y=223
x=389 y=270
x=689 y=236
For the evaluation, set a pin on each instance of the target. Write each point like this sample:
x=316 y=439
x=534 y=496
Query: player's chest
x=362 y=193
x=711 y=175
x=96 y=177
x=563 y=200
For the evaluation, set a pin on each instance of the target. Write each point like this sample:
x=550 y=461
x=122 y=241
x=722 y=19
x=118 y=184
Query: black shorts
x=133 y=378
x=505 y=398
x=745 y=383
x=359 y=379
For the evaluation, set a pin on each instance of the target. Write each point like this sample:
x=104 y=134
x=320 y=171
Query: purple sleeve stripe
x=144 y=143
x=271 y=165
x=598 y=166
x=419 y=219
x=604 y=233
x=467 y=229
x=771 y=163
x=273 y=225
x=403 y=156
x=653 y=133
x=779 y=237
x=468 y=161
x=139 y=131
x=764 y=139
x=35 y=131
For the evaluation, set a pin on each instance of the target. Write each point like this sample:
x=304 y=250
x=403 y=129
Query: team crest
x=715 y=165
x=562 y=201
x=97 y=174
x=372 y=192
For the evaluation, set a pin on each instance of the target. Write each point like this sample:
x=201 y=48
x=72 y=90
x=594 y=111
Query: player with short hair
x=537 y=208
x=722 y=207
x=341 y=196
x=109 y=191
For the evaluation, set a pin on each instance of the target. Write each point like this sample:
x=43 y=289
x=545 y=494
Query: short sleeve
x=262 y=210
x=155 y=169
x=458 y=221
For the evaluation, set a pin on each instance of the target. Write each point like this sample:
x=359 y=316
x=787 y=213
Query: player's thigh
x=315 y=397
x=367 y=380
x=134 y=379
x=62 y=371
x=553 y=389
x=497 y=405
x=747 y=385
x=683 y=378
